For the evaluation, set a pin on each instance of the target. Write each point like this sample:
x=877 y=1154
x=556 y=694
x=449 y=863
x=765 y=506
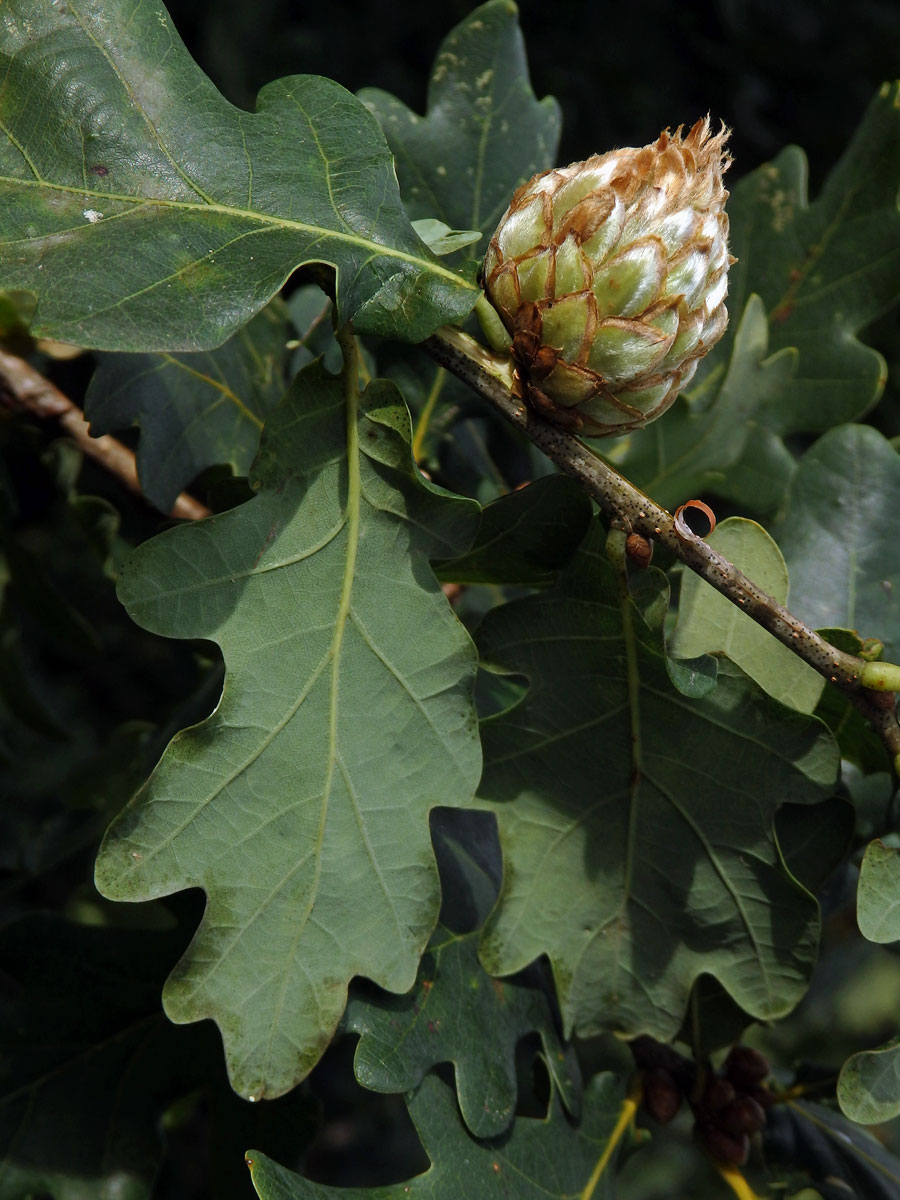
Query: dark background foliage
x=777 y=71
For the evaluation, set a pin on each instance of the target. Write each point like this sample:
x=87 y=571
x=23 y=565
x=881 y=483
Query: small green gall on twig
x=881 y=676
x=491 y=326
x=872 y=649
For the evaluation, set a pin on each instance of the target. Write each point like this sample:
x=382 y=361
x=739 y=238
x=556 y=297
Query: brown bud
x=763 y=1097
x=745 y=1067
x=662 y=1095
x=729 y=1148
x=742 y=1115
x=639 y=549
x=718 y=1094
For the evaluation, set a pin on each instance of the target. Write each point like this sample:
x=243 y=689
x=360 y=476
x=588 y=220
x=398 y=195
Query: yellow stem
x=737 y=1182
x=363 y=372
x=696 y=1033
x=799 y=1090
x=626 y=1118
x=418 y=442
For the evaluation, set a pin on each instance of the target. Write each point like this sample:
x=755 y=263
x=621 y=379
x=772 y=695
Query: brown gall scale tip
x=611 y=276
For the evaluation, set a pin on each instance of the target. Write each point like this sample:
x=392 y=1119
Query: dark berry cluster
x=733 y=1106
x=729 y=1106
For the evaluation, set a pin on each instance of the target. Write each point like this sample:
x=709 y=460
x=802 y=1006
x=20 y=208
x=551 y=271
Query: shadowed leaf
x=699 y=445
x=195 y=410
x=89 y=1063
x=484 y=133
x=844 y=555
x=824 y=270
x=636 y=824
x=814 y=841
x=525 y=536
x=456 y=1012
x=831 y=1148
x=816 y=274
x=538 y=1160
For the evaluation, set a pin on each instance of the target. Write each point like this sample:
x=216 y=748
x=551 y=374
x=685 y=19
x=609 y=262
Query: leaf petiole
x=421 y=430
x=622 y=1125
x=737 y=1182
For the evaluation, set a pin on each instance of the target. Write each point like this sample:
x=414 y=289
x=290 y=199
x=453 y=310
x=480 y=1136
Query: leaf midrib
x=217 y=385
x=352 y=510
x=245 y=214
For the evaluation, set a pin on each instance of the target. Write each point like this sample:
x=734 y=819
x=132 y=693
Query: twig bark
x=491 y=376
x=27 y=388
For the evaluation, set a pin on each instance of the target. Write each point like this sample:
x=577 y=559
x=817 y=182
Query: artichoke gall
x=610 y=277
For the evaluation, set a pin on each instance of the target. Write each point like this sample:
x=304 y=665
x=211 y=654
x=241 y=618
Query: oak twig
x=491 y=376
x=27 y=388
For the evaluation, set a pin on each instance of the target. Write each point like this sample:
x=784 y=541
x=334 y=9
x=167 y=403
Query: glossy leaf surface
x=132 y=192
x=300 y=806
